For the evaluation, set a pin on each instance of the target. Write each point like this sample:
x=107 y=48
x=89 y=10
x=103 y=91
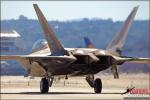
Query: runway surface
x=60 y=93
x=19 y=88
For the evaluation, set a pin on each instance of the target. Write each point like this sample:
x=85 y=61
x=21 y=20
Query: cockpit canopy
x=39 y=45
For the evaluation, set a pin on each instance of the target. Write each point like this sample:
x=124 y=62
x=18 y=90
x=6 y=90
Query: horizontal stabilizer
x=24 y=61
x=33 y=68
x=5 y=57
x=133 y=60
x=37 y=57
x=54 y=44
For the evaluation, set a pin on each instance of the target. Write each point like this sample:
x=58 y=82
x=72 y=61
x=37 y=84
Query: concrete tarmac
x=60 y=93
x=19 y=88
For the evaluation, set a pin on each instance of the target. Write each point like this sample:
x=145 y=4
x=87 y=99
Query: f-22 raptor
x=55 y=60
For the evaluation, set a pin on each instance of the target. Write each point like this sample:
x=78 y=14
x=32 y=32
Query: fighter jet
x=55 y=60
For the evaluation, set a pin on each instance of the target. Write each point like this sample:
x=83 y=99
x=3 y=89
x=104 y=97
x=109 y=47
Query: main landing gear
x=45 y=84
x=96 y=84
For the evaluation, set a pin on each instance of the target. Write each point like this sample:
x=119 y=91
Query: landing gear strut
x=96 y=84
x=90 y=80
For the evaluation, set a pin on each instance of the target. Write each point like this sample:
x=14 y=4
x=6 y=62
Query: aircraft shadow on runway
x=38 y=93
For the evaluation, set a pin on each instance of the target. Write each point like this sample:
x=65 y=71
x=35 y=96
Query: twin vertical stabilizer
x=119 y=40
x=54 y=44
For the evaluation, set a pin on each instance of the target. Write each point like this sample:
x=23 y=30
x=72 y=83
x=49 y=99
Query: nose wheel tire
x=98 y=85
x=44 y=85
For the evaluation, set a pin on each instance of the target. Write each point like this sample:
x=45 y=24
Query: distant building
x=9 y=42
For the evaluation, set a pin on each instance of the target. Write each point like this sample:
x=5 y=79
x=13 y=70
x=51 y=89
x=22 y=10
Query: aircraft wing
x=133 y=60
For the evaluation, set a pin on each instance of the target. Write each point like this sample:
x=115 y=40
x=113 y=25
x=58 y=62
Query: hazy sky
x=68 y=10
